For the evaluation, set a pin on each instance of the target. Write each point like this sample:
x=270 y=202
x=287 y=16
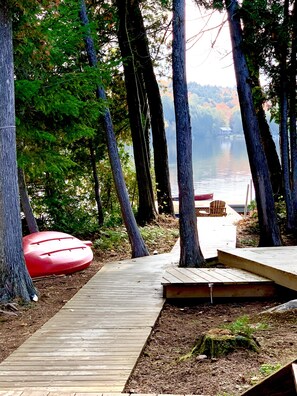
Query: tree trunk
x=96 y=185
x=164 y=197
x=284 y=133
x=25 y=203
x=138 y=246
x=190 y=255
x=146 y=206
x=269 y=230
x=284 y=144
x=15 y=281
x=292 y=115
x=144 y=110
x=273 y=162
x=254 y=57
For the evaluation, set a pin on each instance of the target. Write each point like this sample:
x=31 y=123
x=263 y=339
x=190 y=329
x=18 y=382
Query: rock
x=201 y=357
x=283 y=307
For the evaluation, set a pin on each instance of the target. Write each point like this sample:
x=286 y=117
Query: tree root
x=10 y=309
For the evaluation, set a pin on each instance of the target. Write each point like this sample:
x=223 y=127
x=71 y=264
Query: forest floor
x=160 y=368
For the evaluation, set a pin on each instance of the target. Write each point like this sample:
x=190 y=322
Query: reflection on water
x=220 y=165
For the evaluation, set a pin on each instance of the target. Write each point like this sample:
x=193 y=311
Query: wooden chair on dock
x=216 y=208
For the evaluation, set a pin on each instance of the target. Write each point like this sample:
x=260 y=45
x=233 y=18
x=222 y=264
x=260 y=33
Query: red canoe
x=55 y=253
x=203 y=197
x=199 y=197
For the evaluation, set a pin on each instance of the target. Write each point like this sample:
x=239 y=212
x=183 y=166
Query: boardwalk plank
x=65 y=375
x=179 y=274
x=60 y=390
x=203 y=275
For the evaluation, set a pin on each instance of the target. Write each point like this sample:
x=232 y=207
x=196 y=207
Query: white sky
x=207 y=65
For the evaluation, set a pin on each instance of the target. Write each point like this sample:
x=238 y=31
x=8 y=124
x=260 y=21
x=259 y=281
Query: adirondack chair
x=216 y=208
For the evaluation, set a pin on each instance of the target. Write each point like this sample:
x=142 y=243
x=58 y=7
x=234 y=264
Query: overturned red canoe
x=199 y=197
x=55 y=253
x=203 y=197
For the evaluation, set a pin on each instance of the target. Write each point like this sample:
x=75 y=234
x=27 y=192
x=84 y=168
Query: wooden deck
x=276 y=263
x=214 y=283
x=93 y=343
x=91 y=346
x=215 y=233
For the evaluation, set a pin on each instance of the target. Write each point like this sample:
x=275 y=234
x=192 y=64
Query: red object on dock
x=199 y=197
x=203 y=197
x=55 y=253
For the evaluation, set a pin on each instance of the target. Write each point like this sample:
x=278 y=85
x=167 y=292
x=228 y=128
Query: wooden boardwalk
x=93 y=343
x=215 y=233
x=276 y=263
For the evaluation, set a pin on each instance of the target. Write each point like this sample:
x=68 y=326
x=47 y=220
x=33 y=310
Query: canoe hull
x=203 y=197
x=199 y=197
x=55 y=253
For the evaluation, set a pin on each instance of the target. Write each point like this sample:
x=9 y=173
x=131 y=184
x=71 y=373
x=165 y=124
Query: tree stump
x=219 y=342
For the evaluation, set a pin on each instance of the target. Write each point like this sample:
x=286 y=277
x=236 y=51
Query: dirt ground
x=160 y=369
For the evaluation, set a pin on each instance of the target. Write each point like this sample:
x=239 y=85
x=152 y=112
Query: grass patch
x=242 y=325
x=163 y=233
x=268 y=369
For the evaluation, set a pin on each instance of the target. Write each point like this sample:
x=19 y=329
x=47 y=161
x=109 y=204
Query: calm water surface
x=220 y=166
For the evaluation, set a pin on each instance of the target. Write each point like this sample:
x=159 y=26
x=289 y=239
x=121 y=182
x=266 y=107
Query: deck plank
x=179 y=274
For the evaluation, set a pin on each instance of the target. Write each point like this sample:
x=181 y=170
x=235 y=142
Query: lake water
x=220 y=166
